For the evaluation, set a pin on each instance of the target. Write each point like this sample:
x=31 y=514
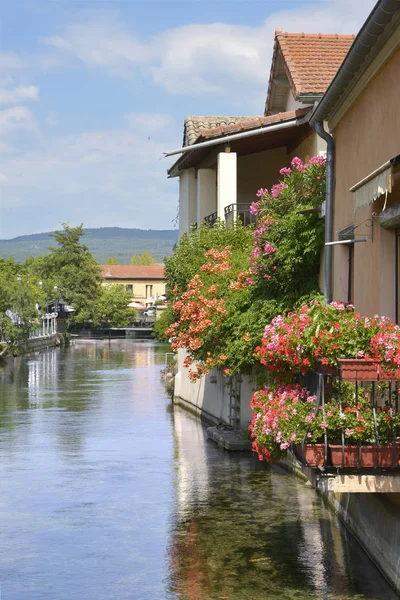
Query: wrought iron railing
x=211 y=219
x=239 y=211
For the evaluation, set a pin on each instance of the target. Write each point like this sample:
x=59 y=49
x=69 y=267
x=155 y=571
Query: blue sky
x=93 y=92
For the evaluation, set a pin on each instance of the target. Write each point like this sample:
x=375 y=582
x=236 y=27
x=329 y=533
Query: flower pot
x=314 y=454
x=351 y=456
x=358 y=369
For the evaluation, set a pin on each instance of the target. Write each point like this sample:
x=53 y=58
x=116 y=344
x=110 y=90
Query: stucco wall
x=367 y=136
x=208 y=397
x=139 y=287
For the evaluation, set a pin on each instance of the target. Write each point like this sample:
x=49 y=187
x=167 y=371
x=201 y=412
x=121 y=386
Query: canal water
x=108 y=493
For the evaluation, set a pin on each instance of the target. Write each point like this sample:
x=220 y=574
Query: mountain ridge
x=103 y=242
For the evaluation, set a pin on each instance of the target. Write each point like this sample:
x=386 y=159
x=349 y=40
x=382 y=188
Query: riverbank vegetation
x=68 y=272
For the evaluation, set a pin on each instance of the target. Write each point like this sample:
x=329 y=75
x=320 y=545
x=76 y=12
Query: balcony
x=240 y=212
x=211 y=219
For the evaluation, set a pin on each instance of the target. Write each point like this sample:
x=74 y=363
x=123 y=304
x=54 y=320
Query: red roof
x=133 y=272
x=310 y=60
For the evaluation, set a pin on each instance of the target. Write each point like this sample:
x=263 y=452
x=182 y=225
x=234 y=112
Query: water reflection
x=108 y=493
x=244 y=532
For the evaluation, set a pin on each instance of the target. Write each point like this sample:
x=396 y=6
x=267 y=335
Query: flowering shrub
x=282 y=416
x=206 y=311
x=327 y=332
x=287 y=241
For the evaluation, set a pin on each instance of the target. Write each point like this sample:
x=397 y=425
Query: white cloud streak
x=18 y=94
x=207 y=59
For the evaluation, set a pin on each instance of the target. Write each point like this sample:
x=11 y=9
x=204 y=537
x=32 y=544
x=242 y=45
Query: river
x=109 y=493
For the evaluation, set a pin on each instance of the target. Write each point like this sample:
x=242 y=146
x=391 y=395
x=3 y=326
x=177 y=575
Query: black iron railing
x=239 y=211
x=211 y=219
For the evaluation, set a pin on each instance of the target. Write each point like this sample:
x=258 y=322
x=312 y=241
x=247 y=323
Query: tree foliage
x=111 y=260
x=145 y=259
x=112 y=308
x=75 y=271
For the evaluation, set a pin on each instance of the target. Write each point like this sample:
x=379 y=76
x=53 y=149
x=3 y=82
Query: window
x=149 y=291
x=129 y=288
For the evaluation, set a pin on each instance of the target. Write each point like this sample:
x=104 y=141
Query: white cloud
x=10 y=61
x=3 y=178
x=208 y=59
x=17 y=117
x=87 y=176
x=18 y=94
x=52 y=118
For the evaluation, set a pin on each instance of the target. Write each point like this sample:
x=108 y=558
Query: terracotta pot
x=358 y=369
x=314 y=454
x=368 y=455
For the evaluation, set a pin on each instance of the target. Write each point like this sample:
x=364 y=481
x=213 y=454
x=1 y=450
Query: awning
x=376 y=184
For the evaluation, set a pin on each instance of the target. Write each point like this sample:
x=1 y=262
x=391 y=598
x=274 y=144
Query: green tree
x=75 y=271
x=111 y=260
x=112 y=308
x=17 y=305
x=145 y=259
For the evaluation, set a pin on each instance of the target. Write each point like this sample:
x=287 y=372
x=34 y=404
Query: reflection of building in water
x=42 y=374
x=191 y=460
x=317 y=549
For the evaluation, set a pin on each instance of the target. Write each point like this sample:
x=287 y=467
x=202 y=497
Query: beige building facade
x=365 y=125
x=146 y=284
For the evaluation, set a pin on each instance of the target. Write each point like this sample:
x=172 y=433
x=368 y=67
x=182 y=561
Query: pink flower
x=348 y=431
x=262 y=192
x=298 y=164
x=285 y=171
x=254 y=208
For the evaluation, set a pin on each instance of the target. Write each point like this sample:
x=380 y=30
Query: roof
x=250 y=123
x=193 y=125
x=379 y=27
x=308 y=61
x=257 y=143
x=133 y=272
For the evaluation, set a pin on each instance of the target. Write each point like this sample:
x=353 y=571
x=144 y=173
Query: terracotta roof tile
x=311 y=60
x=193 y=125
x=133 y=272
x=253 y=123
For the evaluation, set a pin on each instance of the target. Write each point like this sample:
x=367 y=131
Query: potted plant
x=359 y=436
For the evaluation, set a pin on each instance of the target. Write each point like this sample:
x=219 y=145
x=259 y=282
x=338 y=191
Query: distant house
x=225 y=160
x=146 y=284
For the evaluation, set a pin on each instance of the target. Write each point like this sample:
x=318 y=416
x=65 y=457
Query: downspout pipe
x=330 y=184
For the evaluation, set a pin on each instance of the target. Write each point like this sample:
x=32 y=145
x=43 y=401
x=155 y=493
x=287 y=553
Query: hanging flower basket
x=314 y=454
x=364 y=456
x=358 y=369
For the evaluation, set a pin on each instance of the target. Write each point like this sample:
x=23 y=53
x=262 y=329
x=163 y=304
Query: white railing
x=47 y=328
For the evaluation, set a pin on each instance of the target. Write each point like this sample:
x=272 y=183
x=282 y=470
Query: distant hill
x=102 y=242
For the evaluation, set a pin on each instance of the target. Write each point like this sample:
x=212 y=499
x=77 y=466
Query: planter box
x=314 y=454
x=368 y=455
x=358 y=369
